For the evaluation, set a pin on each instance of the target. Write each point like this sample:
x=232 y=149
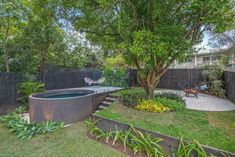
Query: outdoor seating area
x=101 y=78
x=203 y=102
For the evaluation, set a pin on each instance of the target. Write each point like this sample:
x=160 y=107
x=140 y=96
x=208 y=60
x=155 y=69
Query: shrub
x=28 y=88
x=23 y=129
x=159 y=105
x=213 y=76
x=151 y=106
x=172 y=104
x=171 y=96
x=115 y=77
x=130 y=98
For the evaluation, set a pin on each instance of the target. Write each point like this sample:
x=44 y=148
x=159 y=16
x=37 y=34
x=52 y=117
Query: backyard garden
x=94 y=78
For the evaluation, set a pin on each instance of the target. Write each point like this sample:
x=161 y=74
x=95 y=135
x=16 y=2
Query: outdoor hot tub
x=68 y=105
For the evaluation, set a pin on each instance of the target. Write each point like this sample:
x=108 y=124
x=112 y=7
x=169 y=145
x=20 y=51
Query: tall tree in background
x=43 y=32
x=150 y=33
x=12 y=19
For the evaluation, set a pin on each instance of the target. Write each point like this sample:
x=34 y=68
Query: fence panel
x=9 y=87
x=229 y=79
x=59 y=77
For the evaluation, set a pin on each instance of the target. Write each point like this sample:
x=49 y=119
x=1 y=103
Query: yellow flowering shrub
x=151 y=106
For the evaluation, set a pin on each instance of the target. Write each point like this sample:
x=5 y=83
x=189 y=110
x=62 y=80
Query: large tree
x=150 y=33
x=12 y=19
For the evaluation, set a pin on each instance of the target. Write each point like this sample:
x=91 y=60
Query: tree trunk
x=6 y=58
x=151 y=80
x=150 y=91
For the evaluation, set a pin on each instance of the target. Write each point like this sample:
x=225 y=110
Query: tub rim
x=32 y=96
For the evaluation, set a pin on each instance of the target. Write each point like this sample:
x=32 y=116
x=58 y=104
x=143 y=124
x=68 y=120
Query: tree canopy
x=151 y=33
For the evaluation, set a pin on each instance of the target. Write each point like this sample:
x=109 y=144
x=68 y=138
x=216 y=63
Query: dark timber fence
x=59 y=77
x=9 y=87
x=229 y=79
x=180 y=78
x=175 y=78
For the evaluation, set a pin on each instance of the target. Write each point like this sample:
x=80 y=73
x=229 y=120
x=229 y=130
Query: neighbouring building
x=200 y=59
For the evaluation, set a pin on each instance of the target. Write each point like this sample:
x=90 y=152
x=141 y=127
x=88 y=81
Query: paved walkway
x=204 y=102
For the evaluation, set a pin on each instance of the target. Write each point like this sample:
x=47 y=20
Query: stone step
x=106 y=103
x=110 y=99
x=103 y=107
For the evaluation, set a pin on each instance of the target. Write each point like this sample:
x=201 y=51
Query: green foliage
x=218 y=125
x=115 y=62
x=117 y=77
x=145 y=143
x=151 y=105
x=172 y=104
x=151 y=34
x=130 y=98
x=186 y=149
x=24 y=129
x=213 y=76
x=160 y=105
x=133 y=139
x=170 y=95
x=28 y=88
x=224 y=60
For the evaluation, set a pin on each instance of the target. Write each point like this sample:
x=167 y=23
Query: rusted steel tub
x=66 y=105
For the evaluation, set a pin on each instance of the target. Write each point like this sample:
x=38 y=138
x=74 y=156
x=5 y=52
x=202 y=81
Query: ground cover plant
x=71 y=141
x=24 y=129
x=170 y=95
x=215 y=129
x=161 y=102
x=28 y=88
x=159 y=105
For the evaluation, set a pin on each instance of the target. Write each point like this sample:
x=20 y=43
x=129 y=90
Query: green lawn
x=71 y=142
x=215 y=129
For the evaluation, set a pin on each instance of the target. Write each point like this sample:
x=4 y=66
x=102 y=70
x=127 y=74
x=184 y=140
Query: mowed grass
x=216 y=129
x=71 y=142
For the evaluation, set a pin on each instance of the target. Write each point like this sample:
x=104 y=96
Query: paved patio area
x=204 y=102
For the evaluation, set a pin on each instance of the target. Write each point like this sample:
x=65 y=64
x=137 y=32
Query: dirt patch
x=5 y=108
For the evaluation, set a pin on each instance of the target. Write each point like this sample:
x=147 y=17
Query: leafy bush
x=159 y=105
x=213 y=76
x=115 y=77
x=172 y=104
x=171 y=96
x=151 y=106
x=131 y=98
x=23 y=129
x=28 y=88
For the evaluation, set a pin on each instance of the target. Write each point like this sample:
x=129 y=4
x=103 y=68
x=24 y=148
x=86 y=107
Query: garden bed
x=169 y=144
x=216 y=129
